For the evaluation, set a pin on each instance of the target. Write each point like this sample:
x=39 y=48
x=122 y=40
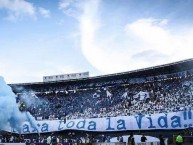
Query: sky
x=52 y=37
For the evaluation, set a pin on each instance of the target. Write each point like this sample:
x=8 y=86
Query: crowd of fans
x=52 y=138
x=132 y=96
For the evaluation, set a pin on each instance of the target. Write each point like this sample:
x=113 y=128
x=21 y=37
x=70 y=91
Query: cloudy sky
x=50 y=37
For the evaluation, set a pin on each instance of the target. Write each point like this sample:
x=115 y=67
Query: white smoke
x=11 y=117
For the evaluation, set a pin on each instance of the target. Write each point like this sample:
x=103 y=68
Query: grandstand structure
x=144 y=91
x=161 y=90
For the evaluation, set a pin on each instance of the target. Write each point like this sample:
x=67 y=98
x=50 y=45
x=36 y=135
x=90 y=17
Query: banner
x=174 y=120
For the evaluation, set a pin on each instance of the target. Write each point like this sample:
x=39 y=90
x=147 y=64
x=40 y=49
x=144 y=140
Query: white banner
x=174 y=120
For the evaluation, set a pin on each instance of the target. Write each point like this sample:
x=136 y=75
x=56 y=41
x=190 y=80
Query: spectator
x=131 y=139
x=108 y=139
x=1 y=137
x=161 y=138
x=11 y=140
x=179 y=139
x=49 y=139
x=121 y=139
x=143 y=138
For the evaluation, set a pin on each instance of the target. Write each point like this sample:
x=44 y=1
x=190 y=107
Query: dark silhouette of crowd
x=120 y=97
x=54 y=138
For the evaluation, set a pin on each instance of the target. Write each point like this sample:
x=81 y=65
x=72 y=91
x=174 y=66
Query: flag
x=124 y=95
x=141 y=95
x=108 y=94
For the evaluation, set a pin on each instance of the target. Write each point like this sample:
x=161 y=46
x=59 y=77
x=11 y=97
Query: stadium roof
x=151 y=71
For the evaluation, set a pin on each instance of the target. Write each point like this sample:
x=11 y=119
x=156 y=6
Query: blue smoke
x=10 y=116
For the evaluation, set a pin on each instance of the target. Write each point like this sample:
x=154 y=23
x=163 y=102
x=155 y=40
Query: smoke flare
x=11 y=116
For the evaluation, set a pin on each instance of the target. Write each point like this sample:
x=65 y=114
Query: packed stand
x=154 y=94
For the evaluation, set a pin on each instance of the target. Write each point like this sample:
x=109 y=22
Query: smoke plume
x=11 y=116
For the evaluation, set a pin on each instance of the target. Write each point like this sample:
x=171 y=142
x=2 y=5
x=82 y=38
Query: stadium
x=96 y=72
x=103 y=109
